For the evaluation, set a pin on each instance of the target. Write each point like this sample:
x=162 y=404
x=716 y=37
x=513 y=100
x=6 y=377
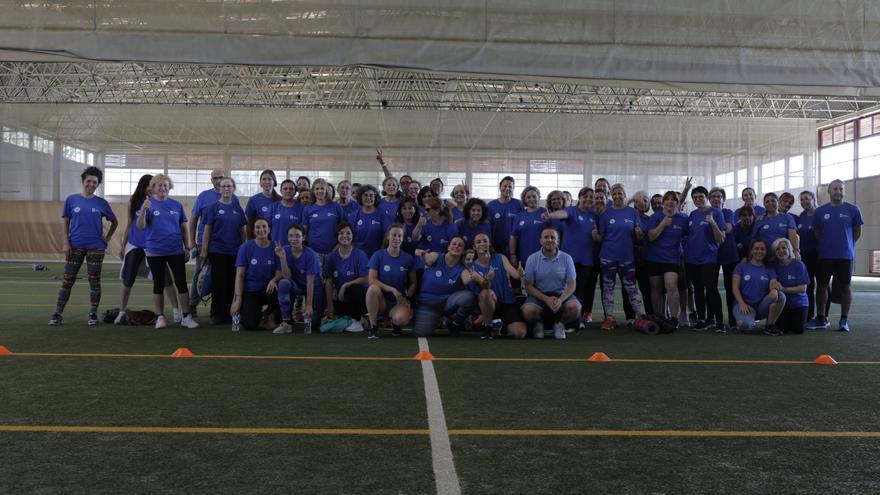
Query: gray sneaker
x=538 y=330
x=559 y=331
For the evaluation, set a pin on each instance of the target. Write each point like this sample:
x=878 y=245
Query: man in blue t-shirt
x=838 y=226
x=550 y=281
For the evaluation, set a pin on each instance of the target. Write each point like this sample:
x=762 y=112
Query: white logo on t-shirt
x=253 y=261
x=277 y=216
x=314 y=215
x=221 y=211
x=387 y=268
x=747 y=277
x=522 y=222
x=498 y=215
x=155 y=213
x=429 y=239
x=826 y=216
x=360 y=222
x=335 y=274
x=264 y=209
x=612 y=222
x=76 y=210
x=438 y=273
x=766 y=227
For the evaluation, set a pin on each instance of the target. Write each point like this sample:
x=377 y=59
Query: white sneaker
x=354 y=327
x=559 y=331
x=120 y=318
x=284 y=327
x=160 y=322
x=188 y=322
x=176 y=315
x=538 y=330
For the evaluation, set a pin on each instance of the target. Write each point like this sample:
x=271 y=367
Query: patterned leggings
x=94 y=259
x=627 y=271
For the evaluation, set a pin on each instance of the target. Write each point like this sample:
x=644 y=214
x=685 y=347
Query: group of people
x=404 y=255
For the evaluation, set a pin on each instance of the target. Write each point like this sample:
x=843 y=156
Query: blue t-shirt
x=759 y=210
x=369 y=230
x=578 y=238
x=500 y=283
x=501 y=216
x=204 y=201
x=795 y=273
x=743 y=240
x=468 y=232
x=768 y=229
x=259 y=264
x=321 y=222
x=409 y=245
x=87 y=220
x=666 y=248
x=393 y=271
x=456 y=213
x=550 y=275
x=343 y=270
x=440 y=280
x=700 y=247
x=728 y=252
x=617 y=227
x=527 y=227
x=226 y=222
x=282 y=218
x=435 y=238
x=350 y=207
x=136 y=236
x=836 y=224
x=303 y=266
x=754 y=281
x=806 y=231
x=389 y=209
x=164 y=237
x=259 y=206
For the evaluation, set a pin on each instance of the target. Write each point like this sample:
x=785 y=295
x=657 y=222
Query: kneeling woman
x=346 y=278
x=299 y=274
x=490 y=280
x=794 y=278
x=255 y=283
x=392 y=279
x=757 y=291
x=443 y=290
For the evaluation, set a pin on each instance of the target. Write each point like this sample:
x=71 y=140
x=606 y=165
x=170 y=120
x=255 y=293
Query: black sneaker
x=487 y=332
x=772 y=331
x=372 y=332
x=455 y=327
x=701 y=326
x=92 y=320
x=56 y=320
x=396 y=331
x=720 y=328
x=674 y=322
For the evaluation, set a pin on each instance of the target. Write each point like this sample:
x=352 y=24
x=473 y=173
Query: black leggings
x=811 y=261
x=177 y=264
x=585 y=288
x=222 y=284
x=354 y=304
x=792 y=320
x=706 y=295
x=251 y=311
x=727 y=269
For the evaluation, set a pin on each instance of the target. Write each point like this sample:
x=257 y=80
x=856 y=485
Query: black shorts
x=508 y=313
x=841 y=270
x=134 y=264
x=682 y=277
x=660 y=269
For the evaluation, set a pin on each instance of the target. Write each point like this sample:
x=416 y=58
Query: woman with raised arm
x=666 y=230
x=705 y=234
x=490 y=282
x=260 y=205
x=84 y=241
x=225 y=231
x=392 y=279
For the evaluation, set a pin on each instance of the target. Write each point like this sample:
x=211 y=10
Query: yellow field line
x=402 y=358
x=425 y=432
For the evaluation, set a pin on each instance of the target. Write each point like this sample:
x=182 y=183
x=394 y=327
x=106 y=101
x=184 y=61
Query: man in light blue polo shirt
x=550 y=282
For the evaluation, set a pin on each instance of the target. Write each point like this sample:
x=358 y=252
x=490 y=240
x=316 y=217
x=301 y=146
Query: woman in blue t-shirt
x=476 y=221
x=705 y=233
x=758 y=293
x=321 y=219
x=793 y=279
x=260 y=205
x=286 y=212
x=367 y=221
x=458 y=203
x=346 y=279
x=225 y=231
x=408 y=215
x=728 y=254
x=390 y=201
x=84 y=241
x=774 y=224
x=443 y=291
x=392 y=278
x=255 y=283
x=666 y=230
x=525 y=234
x=167 y=244
x=434 y=231
x=299 y=274
x=490 y=282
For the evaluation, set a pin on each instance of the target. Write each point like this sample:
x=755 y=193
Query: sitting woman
x=793 y=277
x=757 y=291
x=346 y=279
x=392 y=278
x=490 y=281
x=254 y=278
x=299 y=274
x=443 y=290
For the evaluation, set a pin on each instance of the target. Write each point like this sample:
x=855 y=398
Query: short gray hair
x=784 y=242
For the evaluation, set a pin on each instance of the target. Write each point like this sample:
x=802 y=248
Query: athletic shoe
x=298 y=316
x=674 y=322
x=843 y=326
x=92 y=320
x=120 y=318
x=818 y=323
x=455 y=327
x=772 y=331
x=588 y=317
x=538 y=330
x=630 y=321
x=177 y=315
x=355 y=327
x=56 y=320
x=693 y=316
x=372 y=332
x=685 y=321
x=396 y=331
x=701 y=326
x=216 y=320
x=559 y=331
x=487 y=333
x=188 y=322
x=160 y=322
x=283 y=328
x=608 y=324
x=720 y=328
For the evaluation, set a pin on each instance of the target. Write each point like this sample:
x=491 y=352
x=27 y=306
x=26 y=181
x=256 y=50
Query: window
x=840 y=133
x=550 y=182
x=836 y=162
x=796 y=172
x=726 y=181
x=773 y=176
x=247 y=182
x=485 y=184
x=17 y=138
x=191 y=174
x=742 y=181
x=74 y=154
x=123 y=181
x=44 y=145
x=869 y=155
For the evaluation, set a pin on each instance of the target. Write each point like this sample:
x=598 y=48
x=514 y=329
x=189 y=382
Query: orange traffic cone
x=825 y=359
x=599 y=357
x=424 y=356
x=182 y=352
x=4 y=351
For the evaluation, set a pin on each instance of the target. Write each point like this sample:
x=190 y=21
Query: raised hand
x=279 y=250
x=147 y=204
x=379 y=157
x=666 y=222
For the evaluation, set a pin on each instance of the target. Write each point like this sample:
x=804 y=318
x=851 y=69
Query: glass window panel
x=866 y=126
x=485 y=184
x=836 y=163
x=869 y=156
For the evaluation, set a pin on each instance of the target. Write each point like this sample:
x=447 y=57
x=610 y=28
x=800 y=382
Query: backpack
x=142 y=317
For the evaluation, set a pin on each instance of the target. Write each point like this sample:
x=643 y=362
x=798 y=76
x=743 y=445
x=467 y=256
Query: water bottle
x=307 y=321
x=236 y=322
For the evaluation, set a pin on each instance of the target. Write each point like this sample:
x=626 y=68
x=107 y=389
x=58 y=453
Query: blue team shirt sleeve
x=570 y=273
x=375 y=261
x=531 y=269
x=360 y=263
